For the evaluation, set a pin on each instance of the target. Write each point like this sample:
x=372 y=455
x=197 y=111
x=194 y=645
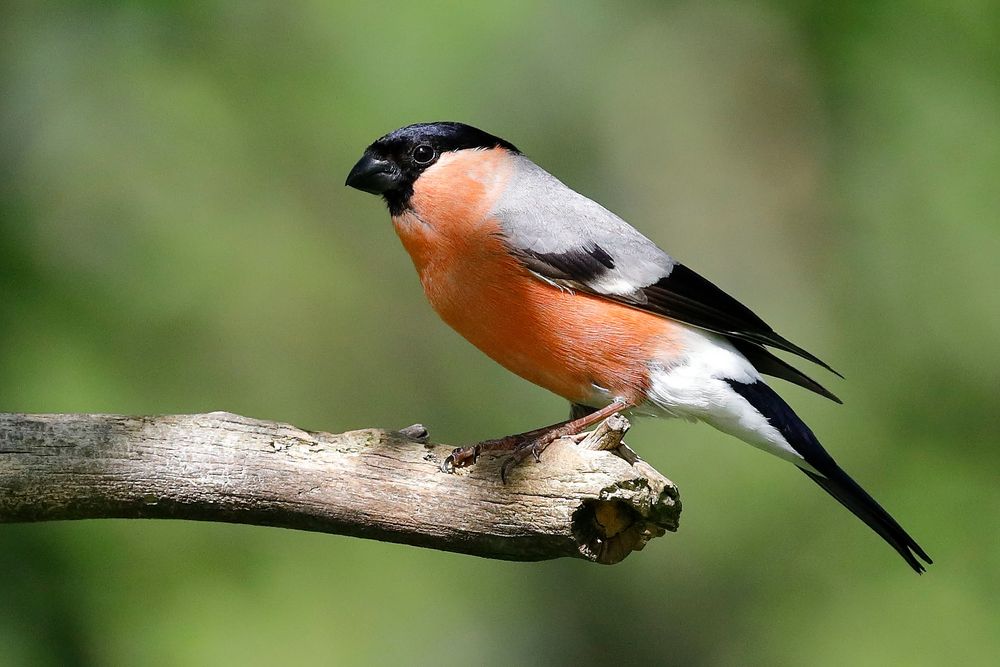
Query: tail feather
x=850 y=494
x=769 y=364
x=827 y=474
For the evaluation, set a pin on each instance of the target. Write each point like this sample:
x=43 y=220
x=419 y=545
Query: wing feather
x=567 y=239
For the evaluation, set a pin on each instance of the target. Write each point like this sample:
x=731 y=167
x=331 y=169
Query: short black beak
x=373 y=175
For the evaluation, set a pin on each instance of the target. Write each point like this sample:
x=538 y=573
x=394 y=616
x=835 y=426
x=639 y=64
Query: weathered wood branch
x=581 y=500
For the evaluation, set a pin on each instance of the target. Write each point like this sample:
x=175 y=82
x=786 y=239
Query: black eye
x=423 y=154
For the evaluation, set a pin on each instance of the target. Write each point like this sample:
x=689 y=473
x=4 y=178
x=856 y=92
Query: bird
x=569 y=296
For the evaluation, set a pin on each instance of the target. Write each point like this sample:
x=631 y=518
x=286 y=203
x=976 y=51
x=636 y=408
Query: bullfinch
x=564 y=293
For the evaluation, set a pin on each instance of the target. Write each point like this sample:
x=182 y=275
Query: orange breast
x=569 y=343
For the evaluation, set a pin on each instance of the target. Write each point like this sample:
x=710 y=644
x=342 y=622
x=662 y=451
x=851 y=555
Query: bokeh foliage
x=175 y=237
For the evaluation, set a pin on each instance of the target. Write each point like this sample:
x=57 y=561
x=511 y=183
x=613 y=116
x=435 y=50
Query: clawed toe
x=460 y=457
x=510 y=462
x=533 y=448
x=531 y=443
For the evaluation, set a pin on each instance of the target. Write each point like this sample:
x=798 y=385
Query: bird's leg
x=556 y=431
x=461 y=457
x=529 y=443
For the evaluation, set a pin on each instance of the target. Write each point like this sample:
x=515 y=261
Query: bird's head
x=392 y=164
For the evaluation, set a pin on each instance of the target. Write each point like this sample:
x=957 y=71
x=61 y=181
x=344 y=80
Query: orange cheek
x=452 y=203
x=449 y=206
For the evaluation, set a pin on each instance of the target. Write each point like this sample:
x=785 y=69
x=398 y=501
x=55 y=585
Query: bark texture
x=595 y=500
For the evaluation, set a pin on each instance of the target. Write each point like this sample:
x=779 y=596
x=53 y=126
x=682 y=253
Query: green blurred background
x=176 y=238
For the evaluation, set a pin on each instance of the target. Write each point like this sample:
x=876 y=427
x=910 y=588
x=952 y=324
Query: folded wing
x=571 y=241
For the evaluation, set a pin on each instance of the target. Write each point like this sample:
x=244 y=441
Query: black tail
x=831 y=477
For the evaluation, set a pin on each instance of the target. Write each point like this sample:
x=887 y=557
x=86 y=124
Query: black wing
x=682 y=295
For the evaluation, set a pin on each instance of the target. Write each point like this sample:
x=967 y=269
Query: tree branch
x=579 y=501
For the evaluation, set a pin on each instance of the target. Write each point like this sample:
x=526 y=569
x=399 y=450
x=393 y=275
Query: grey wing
x=569 y=240
x=563 y=236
